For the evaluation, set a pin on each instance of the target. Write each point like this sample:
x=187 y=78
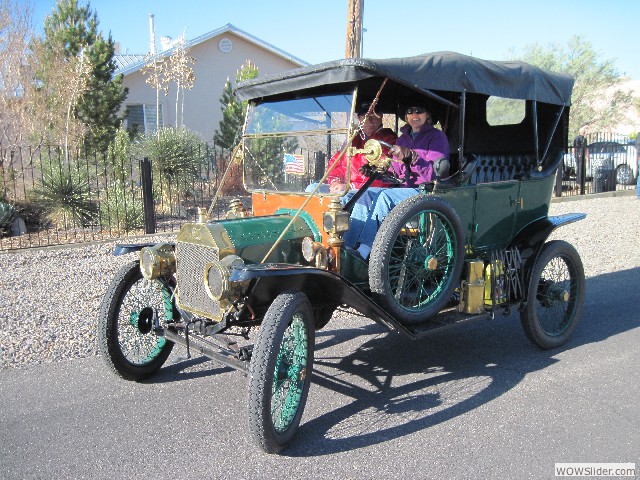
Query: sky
x=315 y=31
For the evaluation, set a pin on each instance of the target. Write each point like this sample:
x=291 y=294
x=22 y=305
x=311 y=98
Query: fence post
x=147 y=197
x=559 y=173
x=581 y=163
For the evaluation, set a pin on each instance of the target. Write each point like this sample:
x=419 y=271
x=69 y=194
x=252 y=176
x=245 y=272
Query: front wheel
x=280 y=371
x=555 y=295
x=417 y=258
x=125 y=333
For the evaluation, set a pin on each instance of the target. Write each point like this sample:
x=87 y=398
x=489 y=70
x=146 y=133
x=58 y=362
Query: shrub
x=65 y=196
x=7 y=216
x=177 y=156
x=121 y=209
x=119 y=154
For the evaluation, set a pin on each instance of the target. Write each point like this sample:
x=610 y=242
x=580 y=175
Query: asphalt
x=475 y=401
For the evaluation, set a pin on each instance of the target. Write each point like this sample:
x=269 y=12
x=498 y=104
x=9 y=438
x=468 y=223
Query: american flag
x=293 y=164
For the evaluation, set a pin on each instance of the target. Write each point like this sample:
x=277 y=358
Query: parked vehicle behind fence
x=606 y=159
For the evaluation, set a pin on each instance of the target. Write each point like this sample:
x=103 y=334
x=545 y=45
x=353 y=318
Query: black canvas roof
x=440 y=71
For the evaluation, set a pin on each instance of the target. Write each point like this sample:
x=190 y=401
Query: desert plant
x=119 y=155
x=7 y=216
x=65 y=196
x=177 y=156
x=122 y=209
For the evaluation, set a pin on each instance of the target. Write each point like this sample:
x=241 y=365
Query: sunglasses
x=416 y=110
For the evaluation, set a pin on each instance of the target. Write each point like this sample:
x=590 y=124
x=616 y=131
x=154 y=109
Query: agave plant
x=7 y=216
x=177 y=155
x=65 y=195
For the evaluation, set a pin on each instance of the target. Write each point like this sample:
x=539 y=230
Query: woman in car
x=414 y=154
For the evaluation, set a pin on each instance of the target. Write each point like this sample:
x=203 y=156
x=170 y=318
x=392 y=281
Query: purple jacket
x=430 y=144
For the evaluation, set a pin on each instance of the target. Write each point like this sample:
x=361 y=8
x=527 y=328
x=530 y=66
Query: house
x=218 y=55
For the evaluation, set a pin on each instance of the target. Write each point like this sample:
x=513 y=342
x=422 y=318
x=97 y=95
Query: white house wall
x=212 y=68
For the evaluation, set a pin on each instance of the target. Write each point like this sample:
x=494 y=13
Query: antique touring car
x=249 y=291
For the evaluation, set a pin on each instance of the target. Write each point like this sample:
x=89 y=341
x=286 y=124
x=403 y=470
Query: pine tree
x=228 y=134
x=74 y=27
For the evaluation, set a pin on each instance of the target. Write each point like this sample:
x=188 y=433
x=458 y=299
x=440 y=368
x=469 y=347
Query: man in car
x=370 y=128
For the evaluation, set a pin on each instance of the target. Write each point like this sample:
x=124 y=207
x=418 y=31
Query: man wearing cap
x=370 y=127
x=415 y=152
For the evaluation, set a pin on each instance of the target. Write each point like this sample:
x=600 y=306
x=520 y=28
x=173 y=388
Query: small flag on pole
x=293 y=164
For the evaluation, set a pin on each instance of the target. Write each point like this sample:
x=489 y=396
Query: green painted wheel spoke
x=288 y=375
x=137 y=347
x=412 y=283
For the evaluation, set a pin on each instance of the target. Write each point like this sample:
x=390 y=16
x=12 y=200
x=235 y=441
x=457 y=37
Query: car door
x=494 y=215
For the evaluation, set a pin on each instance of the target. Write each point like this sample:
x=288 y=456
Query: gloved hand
x=367 y=170
x=403 y=153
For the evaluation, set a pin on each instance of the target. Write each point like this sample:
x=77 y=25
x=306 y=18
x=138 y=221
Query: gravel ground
x=50 y=298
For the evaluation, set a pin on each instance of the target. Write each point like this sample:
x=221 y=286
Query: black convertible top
x=439 y=71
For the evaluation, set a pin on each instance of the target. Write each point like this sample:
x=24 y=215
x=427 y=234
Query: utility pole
x=354 y=29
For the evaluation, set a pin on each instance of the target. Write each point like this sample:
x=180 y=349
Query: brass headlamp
x=157 y=261
x=216 y=277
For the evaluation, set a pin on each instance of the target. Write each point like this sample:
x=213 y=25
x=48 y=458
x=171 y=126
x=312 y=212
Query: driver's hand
x=401 y=152
x=367 y=170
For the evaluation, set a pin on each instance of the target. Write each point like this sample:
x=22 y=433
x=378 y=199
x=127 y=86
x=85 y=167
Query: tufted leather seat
x=497 y=168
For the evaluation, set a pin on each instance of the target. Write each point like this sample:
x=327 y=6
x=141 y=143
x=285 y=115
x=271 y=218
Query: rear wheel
x=555 y=295
x=125 y=333
x=280 y=371
x=417 y=258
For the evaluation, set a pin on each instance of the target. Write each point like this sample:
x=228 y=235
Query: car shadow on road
x=179 y=368
x=399 y=386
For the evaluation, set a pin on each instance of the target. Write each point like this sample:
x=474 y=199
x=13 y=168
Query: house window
x=141 y=118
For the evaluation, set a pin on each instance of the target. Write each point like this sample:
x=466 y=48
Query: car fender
x=323 y=288
x=530 y=239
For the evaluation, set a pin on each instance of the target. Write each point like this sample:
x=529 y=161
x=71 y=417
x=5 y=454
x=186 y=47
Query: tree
x=181 y=73
x=74 y=28
x=233 y=112
x=155 y=71
x=51 y=100
x=15 y=30
x=597 y=102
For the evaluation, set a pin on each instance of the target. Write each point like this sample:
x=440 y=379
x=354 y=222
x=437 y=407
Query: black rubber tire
x=398 y=262
x=134 y=352
x=289 y=308
x=555 y=295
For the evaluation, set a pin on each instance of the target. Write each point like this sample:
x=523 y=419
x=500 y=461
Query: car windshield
x=287 y=144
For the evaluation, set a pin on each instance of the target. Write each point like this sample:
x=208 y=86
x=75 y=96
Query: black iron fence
x=596 y=163
x=48 y=197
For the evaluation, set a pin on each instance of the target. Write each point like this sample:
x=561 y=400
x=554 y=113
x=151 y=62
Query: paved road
x=476 y=401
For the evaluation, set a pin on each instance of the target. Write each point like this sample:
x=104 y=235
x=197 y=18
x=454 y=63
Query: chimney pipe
x=152 y=35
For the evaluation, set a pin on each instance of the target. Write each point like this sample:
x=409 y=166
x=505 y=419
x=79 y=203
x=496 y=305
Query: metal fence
x=596 y=163
x=85 y=197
